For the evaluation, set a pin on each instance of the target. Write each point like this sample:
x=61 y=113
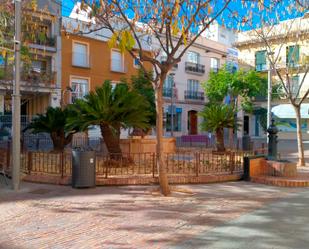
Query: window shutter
x=80 y=57
x=116 y=61
x=292 y=55
x=260 y=57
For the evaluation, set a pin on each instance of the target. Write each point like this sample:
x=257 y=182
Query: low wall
x=114 y=181
x=261 y=167
x=258 y=166
x=146 y=145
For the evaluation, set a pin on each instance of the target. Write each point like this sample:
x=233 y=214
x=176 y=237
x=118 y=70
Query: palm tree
x=111 y=109
x=216 y=118
x=54 y=123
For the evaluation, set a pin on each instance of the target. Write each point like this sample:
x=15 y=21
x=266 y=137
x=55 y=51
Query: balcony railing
x=194 y=95
x=31 y=78
x=194 y=68
x=167 y=92
x=46 y=41
x=43 y=43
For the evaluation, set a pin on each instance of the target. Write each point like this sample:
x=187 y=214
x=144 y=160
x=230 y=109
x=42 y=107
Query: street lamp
x=172 y=104
x=269 y=91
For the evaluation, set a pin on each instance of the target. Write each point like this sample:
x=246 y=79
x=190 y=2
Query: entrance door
x=246 y=125
x=192 y=117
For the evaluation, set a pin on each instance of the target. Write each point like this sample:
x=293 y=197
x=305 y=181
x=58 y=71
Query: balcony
x=194 y=68
x=194 y=95
x=167 y=92
x=30 y=81
x=42 y=42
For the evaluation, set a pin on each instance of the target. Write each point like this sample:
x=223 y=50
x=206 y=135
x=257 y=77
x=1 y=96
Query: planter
x=146 y=145
x=282 y=168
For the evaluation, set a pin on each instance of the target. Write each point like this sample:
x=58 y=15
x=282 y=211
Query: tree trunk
x=58 y=141
x=163 y=180
x=220 y=140
x=300 y=146
x=111 y=140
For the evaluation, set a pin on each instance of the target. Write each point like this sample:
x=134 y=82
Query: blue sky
x=282 y=11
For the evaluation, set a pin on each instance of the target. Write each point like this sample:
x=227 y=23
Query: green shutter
x=260 y=57
x=293 y=55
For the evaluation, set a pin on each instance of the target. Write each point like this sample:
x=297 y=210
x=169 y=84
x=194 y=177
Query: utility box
x=83 y=169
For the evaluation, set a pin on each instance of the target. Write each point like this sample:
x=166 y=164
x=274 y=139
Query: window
x=167 y=86
x=292 y=56
x=260 y=60
x=80 y=54
x=136 y=62
x=176 y=119
x=214 y=64
x=80 y=87
x=193 y=85
x=193 y=57
x=38 y=66
x=117 y=61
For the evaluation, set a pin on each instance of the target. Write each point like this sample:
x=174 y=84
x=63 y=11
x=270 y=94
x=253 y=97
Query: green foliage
x=54 y=122
x=142 y=84
x=218 y=116
x=120 y=107
x=246 y=84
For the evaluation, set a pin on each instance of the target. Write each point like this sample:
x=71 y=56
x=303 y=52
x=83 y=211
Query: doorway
x=192 y=122
x=246 y=125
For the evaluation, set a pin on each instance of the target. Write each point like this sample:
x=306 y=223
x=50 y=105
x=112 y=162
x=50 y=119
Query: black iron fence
x=138 y=164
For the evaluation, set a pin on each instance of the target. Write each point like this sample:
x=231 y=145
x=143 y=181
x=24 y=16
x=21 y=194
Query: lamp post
x=172 y=104
x=269 y=91
x=16 y=100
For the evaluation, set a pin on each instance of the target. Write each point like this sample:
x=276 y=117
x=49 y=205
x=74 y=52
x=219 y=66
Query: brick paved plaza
x=47 y=216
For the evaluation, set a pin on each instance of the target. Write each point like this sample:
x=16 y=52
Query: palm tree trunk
x=111 y=140
x=58 y=141
x=163 y=180
x=300 y=146
x=220 y=140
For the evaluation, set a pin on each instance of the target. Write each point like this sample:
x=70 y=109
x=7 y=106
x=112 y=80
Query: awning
x=287 y=111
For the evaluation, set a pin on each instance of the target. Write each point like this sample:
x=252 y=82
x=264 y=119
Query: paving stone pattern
x=47 y=216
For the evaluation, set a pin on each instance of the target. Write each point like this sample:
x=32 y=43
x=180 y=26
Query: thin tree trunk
x=163 y=180
x=300 y=146
x=111 y=140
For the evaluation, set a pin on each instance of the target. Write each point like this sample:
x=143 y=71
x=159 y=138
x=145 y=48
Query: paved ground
x=282 y=224
x=205 y=216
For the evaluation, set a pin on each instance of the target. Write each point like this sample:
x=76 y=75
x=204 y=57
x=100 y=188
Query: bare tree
x=285 y=44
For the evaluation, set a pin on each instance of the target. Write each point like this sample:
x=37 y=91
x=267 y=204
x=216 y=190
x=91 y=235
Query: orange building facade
x=87 y=62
